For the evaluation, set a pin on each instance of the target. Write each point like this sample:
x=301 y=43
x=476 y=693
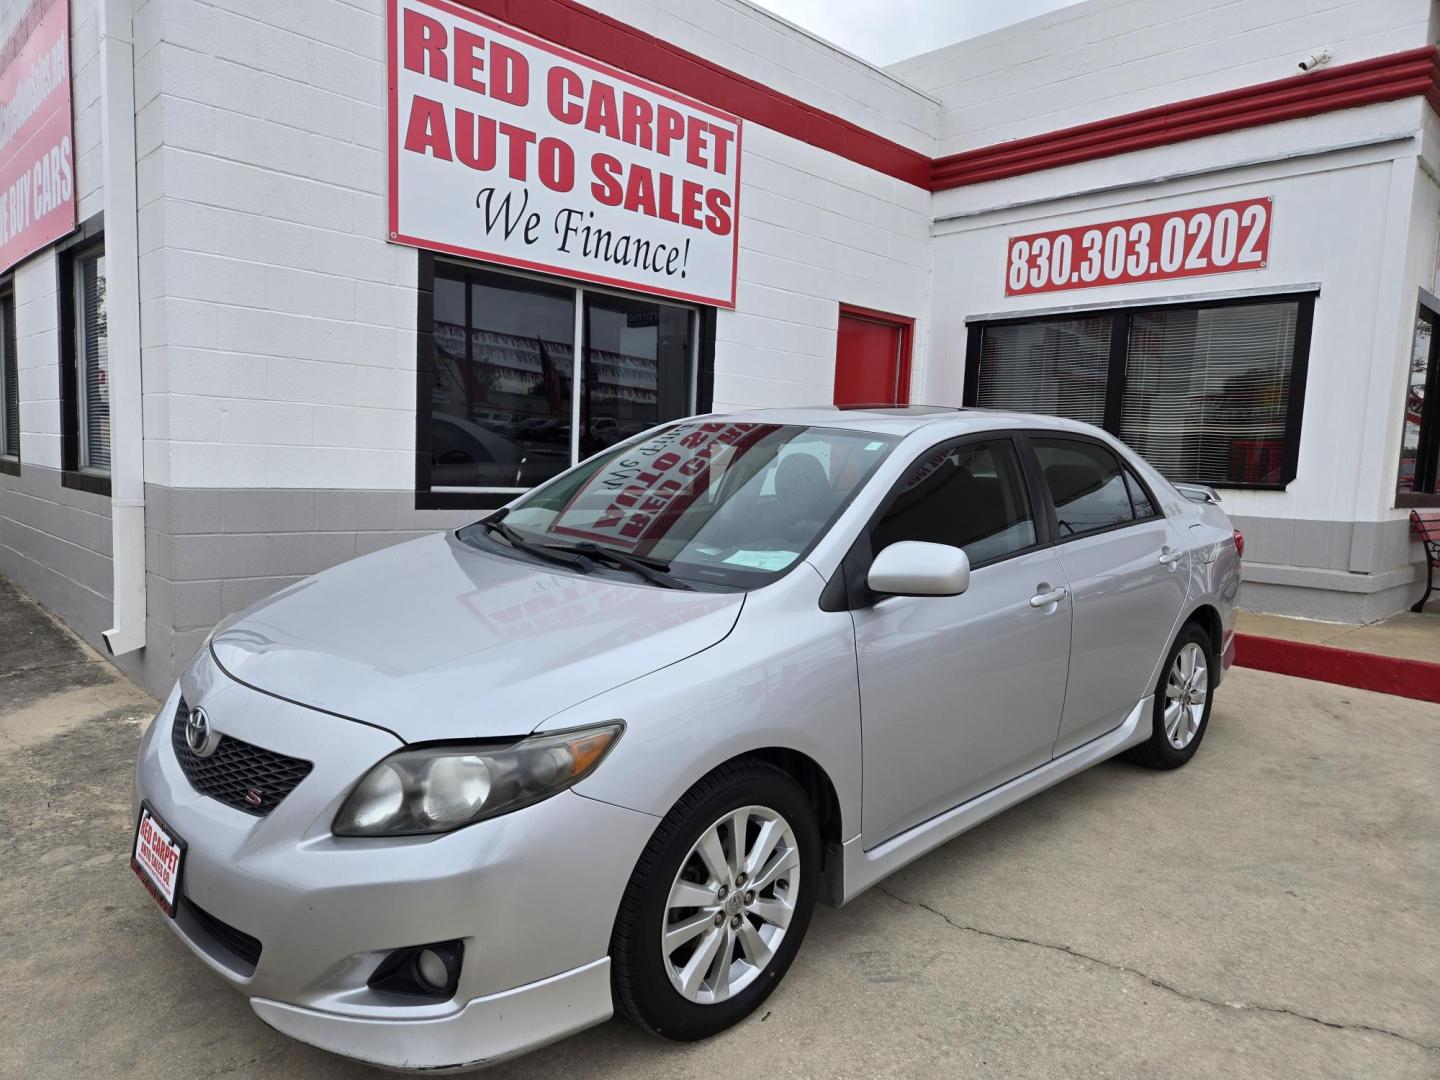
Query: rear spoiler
x=1199 y=493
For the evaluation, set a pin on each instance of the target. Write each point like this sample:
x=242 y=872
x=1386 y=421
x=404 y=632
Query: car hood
x=434 y=639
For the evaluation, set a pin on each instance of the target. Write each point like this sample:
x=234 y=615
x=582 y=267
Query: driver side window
x=971 y=495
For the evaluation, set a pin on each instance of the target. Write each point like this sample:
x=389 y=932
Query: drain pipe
x=122 y=309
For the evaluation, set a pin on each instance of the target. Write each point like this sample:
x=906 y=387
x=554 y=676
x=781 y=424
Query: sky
x=884 y=31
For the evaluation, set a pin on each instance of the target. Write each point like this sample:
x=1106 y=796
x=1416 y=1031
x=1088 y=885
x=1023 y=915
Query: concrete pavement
x=1273 y=909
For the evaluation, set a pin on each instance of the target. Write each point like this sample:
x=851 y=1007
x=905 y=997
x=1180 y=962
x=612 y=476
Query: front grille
x=238 y=773
x=241 y=945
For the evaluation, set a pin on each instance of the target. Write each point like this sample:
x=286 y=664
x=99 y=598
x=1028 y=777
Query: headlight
x=436 y=789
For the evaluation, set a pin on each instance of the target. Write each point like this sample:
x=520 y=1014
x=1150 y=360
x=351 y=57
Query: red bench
x=1427 y=524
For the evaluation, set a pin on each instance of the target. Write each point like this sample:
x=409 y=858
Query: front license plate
x=156 y=859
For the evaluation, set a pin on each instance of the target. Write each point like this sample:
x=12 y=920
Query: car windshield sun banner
x=636 y=500
x=507 y=148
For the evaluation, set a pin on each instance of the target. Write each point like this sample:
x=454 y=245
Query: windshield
x=714 y=502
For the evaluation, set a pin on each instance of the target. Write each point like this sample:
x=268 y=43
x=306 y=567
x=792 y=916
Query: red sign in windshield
x=636 y=499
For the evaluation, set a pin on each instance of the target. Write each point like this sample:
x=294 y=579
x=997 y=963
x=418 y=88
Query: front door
x=959 y=694
x=872 y=359
x=1128 y=583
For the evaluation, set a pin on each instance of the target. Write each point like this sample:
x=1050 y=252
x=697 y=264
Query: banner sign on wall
x=1216 y=239
x=507 y=148
x=37 y=154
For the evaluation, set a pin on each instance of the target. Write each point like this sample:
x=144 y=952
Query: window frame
x=87 y=239
x=429 y=497
x=1427 y=454
x=1031 y=434
x=9 y=363
x=1115 y=376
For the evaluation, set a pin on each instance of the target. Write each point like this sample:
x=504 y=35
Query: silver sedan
x=605 y=748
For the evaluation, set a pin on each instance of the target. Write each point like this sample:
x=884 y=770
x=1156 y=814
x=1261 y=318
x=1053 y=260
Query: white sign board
x=507 y=148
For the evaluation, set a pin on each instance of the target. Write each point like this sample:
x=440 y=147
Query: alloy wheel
x=1186 y=690
x=730 y=904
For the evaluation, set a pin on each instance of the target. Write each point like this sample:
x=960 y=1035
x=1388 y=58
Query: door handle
x=1168 y=557
x=1045 y=599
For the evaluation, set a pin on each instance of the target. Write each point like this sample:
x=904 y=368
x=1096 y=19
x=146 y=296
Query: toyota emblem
x=201 y=740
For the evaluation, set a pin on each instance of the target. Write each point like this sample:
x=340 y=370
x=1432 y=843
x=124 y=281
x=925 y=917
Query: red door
x=872 y=358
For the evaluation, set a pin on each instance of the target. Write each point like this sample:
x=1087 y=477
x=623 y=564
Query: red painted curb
x=1417 y=679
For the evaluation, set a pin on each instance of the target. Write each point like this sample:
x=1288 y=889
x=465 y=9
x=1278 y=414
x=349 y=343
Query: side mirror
x=916 y=568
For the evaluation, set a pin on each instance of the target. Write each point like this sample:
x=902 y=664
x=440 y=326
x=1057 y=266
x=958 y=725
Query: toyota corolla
x=606 y=748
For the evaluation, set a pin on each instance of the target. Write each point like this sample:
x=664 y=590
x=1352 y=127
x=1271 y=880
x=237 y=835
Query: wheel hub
x=730 y=904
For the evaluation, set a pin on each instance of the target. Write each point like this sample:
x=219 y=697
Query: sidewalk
x=1399 y=655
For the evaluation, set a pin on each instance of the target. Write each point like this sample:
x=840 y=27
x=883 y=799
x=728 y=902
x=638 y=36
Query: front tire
x=1182 y=702
x=718 y=903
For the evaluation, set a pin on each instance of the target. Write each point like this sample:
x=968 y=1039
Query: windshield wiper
x=495 y=524
x=656 y=575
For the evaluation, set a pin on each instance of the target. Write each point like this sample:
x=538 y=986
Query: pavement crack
x=1161 y=984
x=49 y=667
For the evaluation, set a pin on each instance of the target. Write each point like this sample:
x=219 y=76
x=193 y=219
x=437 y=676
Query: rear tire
x=1183 y=698
x=749 y=911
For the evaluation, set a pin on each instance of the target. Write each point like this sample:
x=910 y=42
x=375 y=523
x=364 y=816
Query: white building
x=265 y=306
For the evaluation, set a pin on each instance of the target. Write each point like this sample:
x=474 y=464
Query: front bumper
x=485 y=1031
x=531 y=894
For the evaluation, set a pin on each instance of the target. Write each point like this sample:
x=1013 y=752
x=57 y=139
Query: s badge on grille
x=199 y=737
x=254 y=796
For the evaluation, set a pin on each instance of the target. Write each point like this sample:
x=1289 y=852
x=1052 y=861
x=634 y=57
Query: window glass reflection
x=637 y=368
x=501 y=401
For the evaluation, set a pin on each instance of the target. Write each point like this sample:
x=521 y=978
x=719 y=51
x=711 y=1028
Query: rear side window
x=1087 y=485
x=1144 y=508
x=969 y=496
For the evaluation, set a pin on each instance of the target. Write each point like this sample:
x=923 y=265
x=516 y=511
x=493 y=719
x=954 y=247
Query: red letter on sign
x=606 y=188
x=426 y=130
x=425 y=45
x=562 y=87
x=509 y=75
x=469 y=61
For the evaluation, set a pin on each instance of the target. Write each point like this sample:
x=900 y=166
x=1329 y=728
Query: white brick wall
x=1109 y=57
x=284 y=323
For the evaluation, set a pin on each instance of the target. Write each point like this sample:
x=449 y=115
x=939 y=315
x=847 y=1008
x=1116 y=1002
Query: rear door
x=1128 y=581
x=959 y=694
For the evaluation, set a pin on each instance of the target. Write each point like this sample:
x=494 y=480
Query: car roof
x=903 y=420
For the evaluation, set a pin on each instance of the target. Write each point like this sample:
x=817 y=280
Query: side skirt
x=861 y=869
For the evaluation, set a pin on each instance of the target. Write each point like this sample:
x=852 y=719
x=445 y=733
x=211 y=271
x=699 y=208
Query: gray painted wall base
x=211 y=552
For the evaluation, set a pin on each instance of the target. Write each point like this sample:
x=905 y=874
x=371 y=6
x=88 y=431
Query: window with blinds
x=1052 y=366
x=9 y=382
x=1207 y=393
x=92 y=362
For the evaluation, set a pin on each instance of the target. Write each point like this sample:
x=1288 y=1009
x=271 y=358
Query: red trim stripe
x=1366 y=82
x=1416 y=679
x=1415 y=72
x=574 y=26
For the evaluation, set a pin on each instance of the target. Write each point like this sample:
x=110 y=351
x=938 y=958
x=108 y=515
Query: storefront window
x=1419 y=477
x=1207 y=393
x=1052 y=366
x=502 y=386
x=637 y=368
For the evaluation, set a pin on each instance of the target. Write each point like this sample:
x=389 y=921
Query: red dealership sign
x=1216 y=239
x=37 y=154
x=508 y=148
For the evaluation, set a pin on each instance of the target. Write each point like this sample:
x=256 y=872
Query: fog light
x=432 y=969
x=425 y=971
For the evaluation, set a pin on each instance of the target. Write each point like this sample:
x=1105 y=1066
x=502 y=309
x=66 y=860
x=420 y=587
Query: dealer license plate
x=156 y=859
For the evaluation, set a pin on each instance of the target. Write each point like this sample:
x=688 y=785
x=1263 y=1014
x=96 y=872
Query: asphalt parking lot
x=1271 y=910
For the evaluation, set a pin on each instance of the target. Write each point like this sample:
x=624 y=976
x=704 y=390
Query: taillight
x=1239 y=543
